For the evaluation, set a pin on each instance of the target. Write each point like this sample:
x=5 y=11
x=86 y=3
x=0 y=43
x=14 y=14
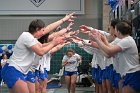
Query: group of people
x=115 y=64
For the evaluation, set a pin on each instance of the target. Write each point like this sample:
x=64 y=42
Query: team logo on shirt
x=37 y=3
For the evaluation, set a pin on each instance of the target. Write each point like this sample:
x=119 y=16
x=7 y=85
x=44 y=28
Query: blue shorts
x=44 y=75
x=110 y=73
x=40 y=75
x=116 y=79
x=93 y=71
x=104 y=74
x=10 y=75
x=0 y=75
x=30 y=77
x=99 y=75
x=133 y=80
x=68 y=73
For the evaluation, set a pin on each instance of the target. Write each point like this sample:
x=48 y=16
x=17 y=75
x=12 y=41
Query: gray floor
x=3 y=89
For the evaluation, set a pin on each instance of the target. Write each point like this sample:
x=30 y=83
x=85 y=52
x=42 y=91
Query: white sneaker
x=93 y=85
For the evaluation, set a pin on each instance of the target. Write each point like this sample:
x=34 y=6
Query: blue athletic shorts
x=133 y=80
x=99 y=75
x=116 y=79
x=41 y=75
x=44 y=75
x=110 y=73
x=10 y=75
x=30 y=77
x=68 y=73
x=0 y=75
x=93 y=71
x=104 y=74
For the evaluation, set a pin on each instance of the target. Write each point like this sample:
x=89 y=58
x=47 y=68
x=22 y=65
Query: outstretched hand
x=94 y=35
x=59 y=40
x=84 y=29
x=69 y=17
x=69 y=26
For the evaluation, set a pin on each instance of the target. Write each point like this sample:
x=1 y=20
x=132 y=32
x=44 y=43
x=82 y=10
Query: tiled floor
x=4 y=89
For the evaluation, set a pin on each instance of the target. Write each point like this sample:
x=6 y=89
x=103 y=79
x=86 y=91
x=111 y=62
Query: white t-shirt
x=112 y=60
x=23 y=55
x=91 y=51
x=98 y=57
x=128 y=57
x=44 y=62
x=73 y=62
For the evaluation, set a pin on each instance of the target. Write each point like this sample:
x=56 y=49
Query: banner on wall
x=40 y=7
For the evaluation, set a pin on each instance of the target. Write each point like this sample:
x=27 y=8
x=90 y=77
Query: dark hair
x=124 y=28
x=3 y=55
x=36 y=25
x=44 y=38
x=70 y=50
x=114 y=22
x=129 y=23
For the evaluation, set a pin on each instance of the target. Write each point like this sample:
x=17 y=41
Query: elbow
x=40 y=53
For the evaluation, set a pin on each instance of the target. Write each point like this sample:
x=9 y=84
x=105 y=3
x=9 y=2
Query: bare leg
x=67 y=80
x=96 y=87
x=104 y=86
x=109 y=87
x=31 y=87
x=116 y=90
x=73 y=81
x=37 y=90
x=20 y=87
x=120 y=86
x=43 y=85
x=128 y=89
x=100 y=88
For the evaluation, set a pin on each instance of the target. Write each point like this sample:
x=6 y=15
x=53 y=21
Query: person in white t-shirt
x=126 y=54
x=107 y=74
x=44 y=66
x=71 y=61
x=23 y=53
x=32 y=73
x=3 y=60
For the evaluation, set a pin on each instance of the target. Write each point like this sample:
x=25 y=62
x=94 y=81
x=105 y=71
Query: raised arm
x=39 y=49
x=54 y=25
x=109 y=50
x=61 y=32
x=58 y=47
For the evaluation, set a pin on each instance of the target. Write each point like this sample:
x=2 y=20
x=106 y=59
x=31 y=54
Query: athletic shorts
x=40 y=75
x=10 y=75
x=99 y=75
x=68 y=73
x=30 y=77
x=116 y=79
x=110 y=73
x=44 y=75
x=104 y=74
x=93 y=71
x=133 y=80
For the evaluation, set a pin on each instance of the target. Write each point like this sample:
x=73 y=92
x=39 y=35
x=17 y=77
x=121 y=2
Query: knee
x=41 y=87
x=72 y=83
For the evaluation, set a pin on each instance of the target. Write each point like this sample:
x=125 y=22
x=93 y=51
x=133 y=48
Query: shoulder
x=27 y=35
